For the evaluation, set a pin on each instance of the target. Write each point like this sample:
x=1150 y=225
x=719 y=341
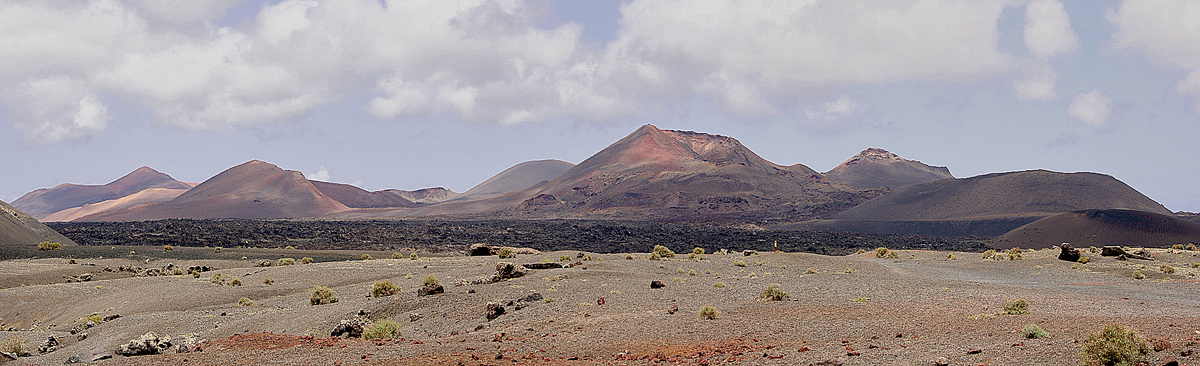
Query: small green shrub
x=882 y=252
x=217 y=279
x=739 y=263
x=810 y=270
x=168 y=248
x=861 y=299
x=680 y=270
x=1114 y=345
x=289 y=247
x=691 y=272
x=217 y=250
x=653 y=256
x=772 y=293
x=397 y=255
x=1166 y=268
x=268 y=281
x=286 y=261
x=567 y=258
x=15 y=345
x=698 y=251
x=412 y=256
x=1177 y=246
x=195 y=274
x=306 y=260
x=663 y=251
x=1084 y=260
x=628 y=256
x=709 y=312
x=693 y=257
x=1137 y=275
x=1190 y=246
x=1015 y=307
x=322 y=295
x=94 y=318
x=861 y=251
x=245 y=301
x=177 y=271
x=506 y=252
x=989 y=253
x=45 y=245
x=383 y=329
x=719 y=284
x=1033 y=331
x=951 y=256
x=1015 y=254
x=366 y=257
x=384 y=288
x=430 y=280
x=235 y=282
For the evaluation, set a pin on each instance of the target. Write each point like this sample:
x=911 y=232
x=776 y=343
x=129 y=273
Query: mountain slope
x=520 y=177
x=355 y=197
x=251 y=190
x=16 y=227
x=874 y=167
x=1025 y=193
x=425 y=195
x=1103 y=227
x=149 y=195
x=43 y=202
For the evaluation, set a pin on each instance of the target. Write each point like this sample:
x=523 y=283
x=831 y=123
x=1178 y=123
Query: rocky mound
x=520 y=177
x=44 y=202
x=355 y=197
x=874 y=167
x=251 y=190
x=16 y=227
x=1103 y=227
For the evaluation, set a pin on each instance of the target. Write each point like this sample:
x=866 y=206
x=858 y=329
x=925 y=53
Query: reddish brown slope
x=254 y=189
x=874 y=167
x=520 y=177
x=355 y=197
x=16 y=227
x=43 y=202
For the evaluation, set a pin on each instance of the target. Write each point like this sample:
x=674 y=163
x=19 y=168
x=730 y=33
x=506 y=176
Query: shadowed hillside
x=16 y=227
x=1103 y=227
x=355 y=197
x=520 y=177
x=873 y=168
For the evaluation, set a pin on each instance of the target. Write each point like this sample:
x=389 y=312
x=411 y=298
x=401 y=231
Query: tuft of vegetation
x=167 y=248
x=322 y=295
x=739 y=263
x=384 y=288
x=709 y=312
x=286 y=261
x=628 y=256
x=719 y=284
x=1190 y=246
x=848 y=270
x=366 y=257
x=1033 y=331
x=772 y=293
x=245 y=301
x=663 y=252
x=306 y=260
x=691 y=272
x=694 y=257
x=951 y=256
x=698 y=251
x=1014 y=254
x=15 y=345
x=235 y=282
x=989 y=253
x=268 y=281
x=45 y=245
x=397 y=255
x=567 y=258
x=430 y=280
x=1177 y=246
x=1016 y=307
x=195 y=274
x=506 y=252
x=383 y=329
x=217 y=250
x=861 y=299
x=680 y=270
x=1114 y=346
x=882 y=252
x=810 y=270
x=217 y=279
x=289 y=247
x=1167 y=269
x=861 y=251
x=177 y=271
x=653 y=256
x=1084 y=260
x=412 y=256
x=1137 y=275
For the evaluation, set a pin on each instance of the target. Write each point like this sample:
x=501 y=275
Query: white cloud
x=1167 y=32
x=1093 y=107
x=1038 y=83
x=56 y=108
x=1048 y=31
x=322 y=174
x=184 y=11
x=838 y=109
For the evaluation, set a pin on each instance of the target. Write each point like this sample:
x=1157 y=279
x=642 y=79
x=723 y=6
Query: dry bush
x=383 y=329
x=268 y=281
x=719 y=284
x=322 y=295
x=1113 y=345
x=245 y=301
x=882 y=252
x=217 y=279
x=15 y=345
x=384 y=288
x=709 y=312
x=506 y=252
x=430 y=280
x=663 y=252
x=1033 y=331
x=1015 y=307
x=1137 y=275
x=366 y=257
x=1166 y=268
x=772 y=293
x=810 y=270
x=45 y=245
x=306 y=260
x=397 y=255
x=168 y=248
x=1014 y=254
x=1084 y=260
x=235 y=282
x=286 y=261
x=217 y=250
x=739 y=263
x=989 y=253
x=412 y=256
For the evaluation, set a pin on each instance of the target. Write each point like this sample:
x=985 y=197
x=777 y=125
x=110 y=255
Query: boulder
x=525 y=301
x=1068 y=253
x=430 y=290
x=508 y=270
x=50 y=345
x=349 y=328
x=494 y=310
x=188 y=343
x=656 y=284
x=148 y=344
x=480 y=250
x=96 y=354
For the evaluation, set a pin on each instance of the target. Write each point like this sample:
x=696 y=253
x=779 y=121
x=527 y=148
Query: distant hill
x=149 y=195
x=44 y=202
x=18 y=228
x=251 y=190
x=426 y=195
x=1024 y=193
x=874 y=168
x=1103 y=227
x=520 y=177
x=355 y=197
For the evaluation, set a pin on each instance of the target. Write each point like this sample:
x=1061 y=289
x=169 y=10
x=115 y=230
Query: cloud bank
x=65 y=65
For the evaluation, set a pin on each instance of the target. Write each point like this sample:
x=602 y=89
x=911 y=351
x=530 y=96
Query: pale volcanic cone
x=874 y=167
x=44 y=202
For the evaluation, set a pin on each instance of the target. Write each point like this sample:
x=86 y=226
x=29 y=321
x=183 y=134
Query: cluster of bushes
x=882 y=252
x=45 y=245
x=1014 y=254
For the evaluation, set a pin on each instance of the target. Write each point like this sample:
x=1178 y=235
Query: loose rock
x=148 y=344
x=494 y=310
x=508 y=270
x=656 y=284
x=941 y=361
x=1068 y=253
x=430 y=290
x=50 y=345
x=349 y=328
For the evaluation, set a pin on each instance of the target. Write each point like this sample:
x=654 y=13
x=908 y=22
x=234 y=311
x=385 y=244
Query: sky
x=415 y=94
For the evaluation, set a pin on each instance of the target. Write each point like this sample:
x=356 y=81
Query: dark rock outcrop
x=1068 y=253
x=349 y=328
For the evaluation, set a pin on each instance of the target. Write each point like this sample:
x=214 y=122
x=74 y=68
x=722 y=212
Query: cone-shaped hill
x=520 y=177
x=1103 y=227
x=874 y=167
x=44 y=202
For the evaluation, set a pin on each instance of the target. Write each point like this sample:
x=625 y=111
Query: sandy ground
x=905 y=311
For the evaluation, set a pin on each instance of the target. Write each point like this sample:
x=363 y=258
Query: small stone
x=412 y=317
x=1170 y=361
x=974 y=351
x=494 y=310
x=656 y=284
x=430 y=290
x=50 y=345
x=600 y=301
x=941 y=361
x=1186 y=352
x=673 y=309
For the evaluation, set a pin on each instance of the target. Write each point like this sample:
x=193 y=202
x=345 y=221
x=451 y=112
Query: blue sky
x=408 y=95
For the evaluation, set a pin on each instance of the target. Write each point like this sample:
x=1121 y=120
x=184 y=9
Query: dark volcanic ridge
x=1103 y=227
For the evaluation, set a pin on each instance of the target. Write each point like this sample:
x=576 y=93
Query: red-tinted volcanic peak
x=146 y=177
x=43 y=202
x=875 y=167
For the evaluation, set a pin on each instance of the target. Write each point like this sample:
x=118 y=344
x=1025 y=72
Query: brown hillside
x=150 y=195
x=520 y=177
x=355 y=197
x=874 y=167
x=251 y=190
x=1025 y=193
x=1103 y=227
x=43 y=202
x=16 y=227
x=425 y=195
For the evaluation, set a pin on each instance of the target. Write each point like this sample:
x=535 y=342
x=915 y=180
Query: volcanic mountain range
x=651 y=174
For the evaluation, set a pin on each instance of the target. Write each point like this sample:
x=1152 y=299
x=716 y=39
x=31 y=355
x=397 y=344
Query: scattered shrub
x=709 y=312
x=882 y=252
x=177 y=271
x=663 y=252
x=1190 y=246
x=698 y=251
x=567 y=258
x=412 y=256
x=287 y=261
x=384 y=288
x=653 y=256
x=951 y=256
x=217 y=279
x=45 y=245
x=430 y=280
x=268 y=281
x=1166 y=268
x=217 y=250
x=719 y=284
x=1137 y=275
x=195 y=274
x=322 y=295
x=861 y=299
x=810 y=270
x=693 y=257
x=1177 y=246
x=15 y=345
x=680 y=270
x=989 y=253
x=1084 y=260
x=397 y=255
x=772 y=293
x=71 y=261
x=1195 y=264
x=1015 y=307
x=1033 y=331
x=235 y=282
x=1014 y=254
x=167 y=248
x=848 y=270
x=366 y=257
x=739 y=263
x=692 y=272
x=245 y=301
x=1114 y=345
x=289 y=247
x=383 y=329
x=306 y=260
x=506 y=252
x=628 y=256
